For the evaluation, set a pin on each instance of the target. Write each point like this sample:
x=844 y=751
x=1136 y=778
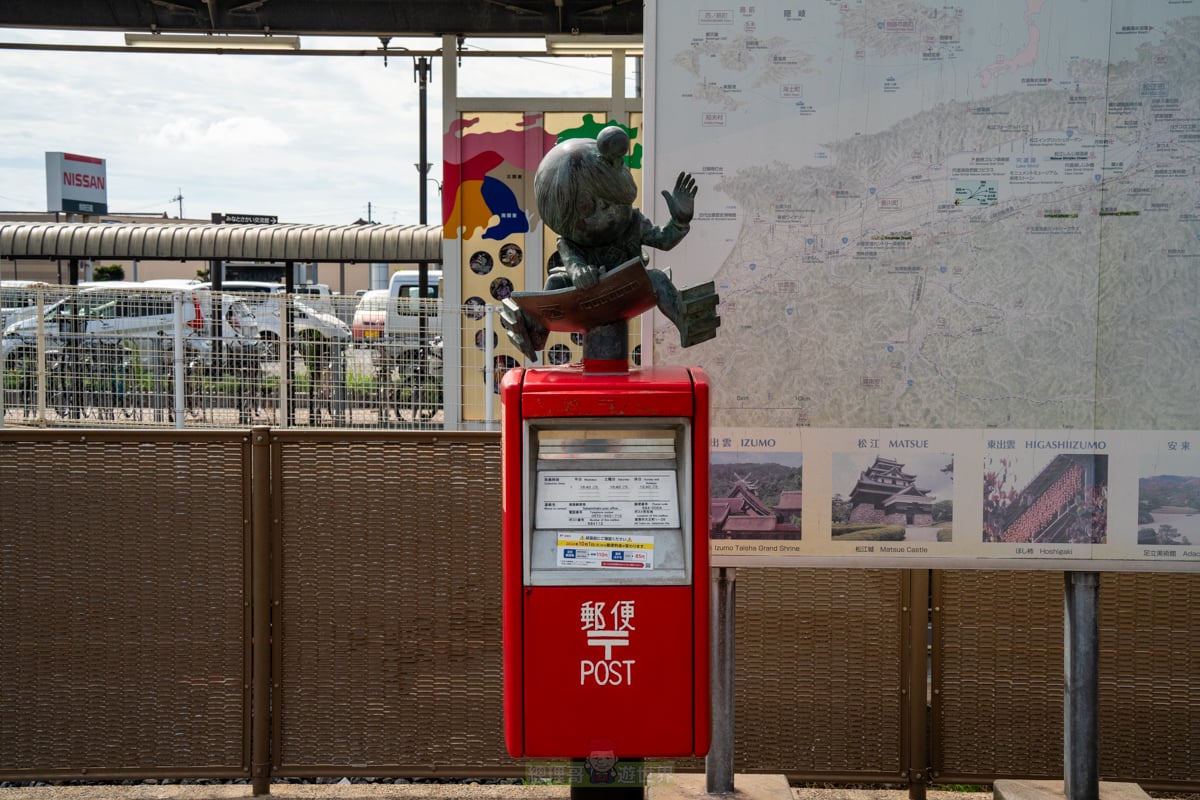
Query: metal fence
x=148 y=356
x=260 y=603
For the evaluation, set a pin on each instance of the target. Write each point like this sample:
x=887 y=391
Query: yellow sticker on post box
x=605 y=550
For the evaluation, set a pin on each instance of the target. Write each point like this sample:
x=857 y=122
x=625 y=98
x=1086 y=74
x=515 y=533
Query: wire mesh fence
x=186 y=357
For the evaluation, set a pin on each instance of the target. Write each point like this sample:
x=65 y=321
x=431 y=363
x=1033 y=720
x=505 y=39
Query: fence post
x=3 y=391
x=718 y=766
x=285 y=362
x=41 y=360
x=916 y=608
x=180 y=361
x=260 y=620
x=489 y=371
x=1081 y=719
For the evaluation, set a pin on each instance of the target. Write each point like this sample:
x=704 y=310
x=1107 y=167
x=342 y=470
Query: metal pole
x=1081 y=700
x=41 y=358
x=489 y=371
x=718 y=765
x=287 y=368
x=421 y=70
x=916 y=688
x=180 y=369
x=4 y=391
x=260 y=611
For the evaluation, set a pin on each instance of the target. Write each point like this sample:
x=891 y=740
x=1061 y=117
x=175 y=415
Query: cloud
x=192 y=135
x=310 y=139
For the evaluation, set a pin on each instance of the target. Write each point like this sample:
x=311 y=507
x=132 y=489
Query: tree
x=110 y=272
x=841 y=509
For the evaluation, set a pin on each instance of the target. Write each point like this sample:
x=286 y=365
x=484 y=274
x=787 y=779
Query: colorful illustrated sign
x=487 y=202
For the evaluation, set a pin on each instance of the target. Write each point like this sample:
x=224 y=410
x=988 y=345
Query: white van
x=402 y=326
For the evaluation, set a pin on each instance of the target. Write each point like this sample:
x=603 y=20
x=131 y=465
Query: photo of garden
x=1169 y=502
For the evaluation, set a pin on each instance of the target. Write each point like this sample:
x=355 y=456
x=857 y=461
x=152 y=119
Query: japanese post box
x=605 y=562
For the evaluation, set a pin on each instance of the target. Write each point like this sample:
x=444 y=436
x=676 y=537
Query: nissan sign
x=76 y=184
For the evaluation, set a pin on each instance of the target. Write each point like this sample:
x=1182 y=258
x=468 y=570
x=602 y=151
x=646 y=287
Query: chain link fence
x=139 y=355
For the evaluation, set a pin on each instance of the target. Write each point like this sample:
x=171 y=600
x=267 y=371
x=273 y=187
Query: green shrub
x=868 y=533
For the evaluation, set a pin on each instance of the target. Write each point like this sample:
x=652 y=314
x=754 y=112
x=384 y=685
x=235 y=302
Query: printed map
x=937 y=215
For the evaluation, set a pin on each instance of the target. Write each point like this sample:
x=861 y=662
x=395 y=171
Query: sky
x=308 y=139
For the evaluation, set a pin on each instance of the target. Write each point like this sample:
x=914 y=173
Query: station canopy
x=339 y=243
x=344 y=17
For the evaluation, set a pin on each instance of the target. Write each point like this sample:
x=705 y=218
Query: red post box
x=605 y=571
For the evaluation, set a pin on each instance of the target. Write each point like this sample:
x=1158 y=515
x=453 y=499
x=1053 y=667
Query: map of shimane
x=940 y=216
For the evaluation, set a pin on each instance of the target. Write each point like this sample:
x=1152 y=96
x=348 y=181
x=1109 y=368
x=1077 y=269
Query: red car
x=370 y=317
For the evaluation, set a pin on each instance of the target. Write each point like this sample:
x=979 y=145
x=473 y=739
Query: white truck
x=401 y=329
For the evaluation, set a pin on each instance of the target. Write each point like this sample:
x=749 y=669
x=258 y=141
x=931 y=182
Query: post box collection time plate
x=575 y=501
x=607 y=499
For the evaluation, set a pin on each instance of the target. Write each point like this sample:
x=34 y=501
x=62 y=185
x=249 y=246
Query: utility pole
x=422 y=69
x=179 y=197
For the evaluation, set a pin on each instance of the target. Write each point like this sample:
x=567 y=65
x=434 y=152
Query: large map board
x=959 y=230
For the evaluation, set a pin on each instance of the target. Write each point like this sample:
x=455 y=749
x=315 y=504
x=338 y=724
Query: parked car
x=115 y=311
x=239 y=329
x=239 y=325
x=317 y=295
x=134 y=315
x=309 y=322
x=370 y=317
x=18 y=300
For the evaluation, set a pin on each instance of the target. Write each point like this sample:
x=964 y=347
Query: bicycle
x=420 y=390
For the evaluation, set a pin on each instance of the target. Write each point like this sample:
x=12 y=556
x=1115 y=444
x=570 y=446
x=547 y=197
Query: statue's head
x=583 y=189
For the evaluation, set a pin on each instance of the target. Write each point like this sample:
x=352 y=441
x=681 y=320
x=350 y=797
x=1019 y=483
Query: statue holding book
x=585 y=193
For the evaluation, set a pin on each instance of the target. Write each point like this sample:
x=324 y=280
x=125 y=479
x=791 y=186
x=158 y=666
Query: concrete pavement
x=679 y=787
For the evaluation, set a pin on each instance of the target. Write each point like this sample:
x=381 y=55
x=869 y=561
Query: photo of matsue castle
x=887 y=495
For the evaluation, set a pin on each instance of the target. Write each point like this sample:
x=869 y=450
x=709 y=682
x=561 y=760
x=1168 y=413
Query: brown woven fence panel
x=388 y=656
x=1150 y=677
x=998 y=676
x=997 y=706
x=819 y=667
x=123 y=643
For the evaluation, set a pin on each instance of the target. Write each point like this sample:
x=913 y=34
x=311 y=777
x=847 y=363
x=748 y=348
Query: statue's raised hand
x=681 y=201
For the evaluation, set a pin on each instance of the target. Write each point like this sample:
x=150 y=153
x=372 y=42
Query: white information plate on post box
x=607 y=499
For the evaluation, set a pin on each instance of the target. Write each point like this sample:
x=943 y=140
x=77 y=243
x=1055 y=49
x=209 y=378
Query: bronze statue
x=585 y=192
